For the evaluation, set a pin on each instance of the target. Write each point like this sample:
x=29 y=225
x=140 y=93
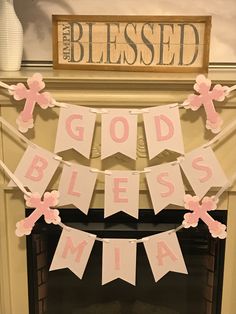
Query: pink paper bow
x=32 y=97
x=205 y=98
x=216 y=228
x=25 y=226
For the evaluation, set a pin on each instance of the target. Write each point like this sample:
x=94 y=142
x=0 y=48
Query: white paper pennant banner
x=76 y=186
x=119 y=133
x=75 y=129
x=121 y=193
x=165 y=185
x=73 y=251
x=164 y=254
x=203 y=170
x=163 y=130
x=35 y=169
x=119 y=260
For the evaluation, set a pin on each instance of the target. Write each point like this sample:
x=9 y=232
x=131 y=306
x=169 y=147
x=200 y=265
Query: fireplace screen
x=61 y=292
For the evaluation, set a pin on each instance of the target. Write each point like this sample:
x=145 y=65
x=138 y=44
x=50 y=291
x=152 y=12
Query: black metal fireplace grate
x=62 y=292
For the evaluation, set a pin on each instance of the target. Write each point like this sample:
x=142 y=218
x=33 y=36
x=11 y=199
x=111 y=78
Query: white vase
x=11 y=38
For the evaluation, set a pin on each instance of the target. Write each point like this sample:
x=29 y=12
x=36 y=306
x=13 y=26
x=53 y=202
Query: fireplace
x=20 y=294
x=62 y=292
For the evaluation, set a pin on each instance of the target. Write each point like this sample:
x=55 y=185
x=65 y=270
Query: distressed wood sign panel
x=132 y=43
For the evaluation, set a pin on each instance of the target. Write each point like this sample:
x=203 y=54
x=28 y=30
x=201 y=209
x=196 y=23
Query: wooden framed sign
x=131 y=43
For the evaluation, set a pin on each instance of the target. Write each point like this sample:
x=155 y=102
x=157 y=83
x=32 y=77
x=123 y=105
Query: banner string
x=225 y=187
x=59 y=104
x=180 y=227
x=215 y=139
x=230 y=89
x=64 y=226
x=226 y=130
x=14 y=178
x=142 y=240
x=17 y=133
x=102 y=111
x=4 y=85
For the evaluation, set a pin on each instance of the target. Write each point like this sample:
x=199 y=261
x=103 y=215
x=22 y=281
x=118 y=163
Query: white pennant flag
x=164 y=254
x=121 y=193
x=76 y=186
x=165 y=185
x=35 y=169
x=75 y=129
x=203 y=170
x=163 y=130
x=73 y=251
x=119 y=133
x=119 y=260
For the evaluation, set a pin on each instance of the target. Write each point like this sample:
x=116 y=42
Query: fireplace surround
x=106 y=89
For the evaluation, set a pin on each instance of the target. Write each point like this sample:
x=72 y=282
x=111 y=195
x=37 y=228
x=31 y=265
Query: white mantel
x=104 y=89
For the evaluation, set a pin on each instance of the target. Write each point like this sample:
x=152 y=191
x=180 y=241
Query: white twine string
x=67 y=228
x=14 y=178
x=17 y=133
x=63 y=226
x=101 y=111
x=225 y=187
x=142 y=240
x=57 y=157
x=59 y=104
x=4 y=85
x=28 y=142
x=230 y=89
x=226 y=130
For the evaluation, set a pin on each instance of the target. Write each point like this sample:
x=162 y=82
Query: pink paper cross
x=24 y=227
x=205 y=99
x=216 y=228
x=32 y=97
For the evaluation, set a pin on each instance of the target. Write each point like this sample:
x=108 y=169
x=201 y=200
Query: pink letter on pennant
x=206 y=169
x=78 y=250
x=163 y=250
x=124 y=137
x=117 y=190
x=117 y=258
x=72 y=184
x=169 y=124
x=36 y=169
x=79 y=136
x=168 y=184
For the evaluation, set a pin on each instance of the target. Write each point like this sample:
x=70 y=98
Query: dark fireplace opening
x=61 y=292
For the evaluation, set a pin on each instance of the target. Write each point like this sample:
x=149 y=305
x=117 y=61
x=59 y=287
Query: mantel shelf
x=103 y=88
x=221 y=75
